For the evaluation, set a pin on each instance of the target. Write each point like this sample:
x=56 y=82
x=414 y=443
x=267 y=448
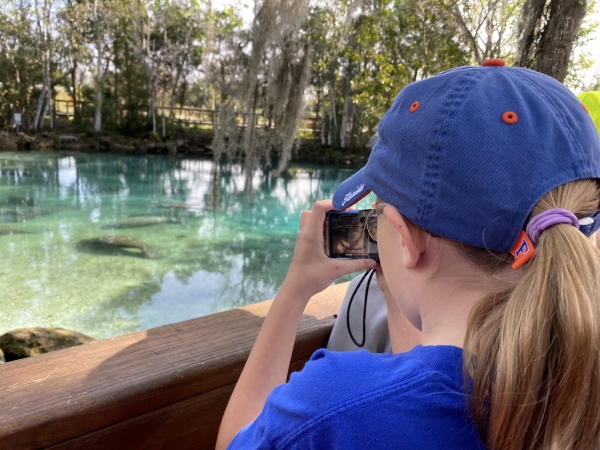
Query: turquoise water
x=189 y=259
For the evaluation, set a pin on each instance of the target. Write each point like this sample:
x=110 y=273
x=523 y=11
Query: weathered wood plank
x=192 y=423
x=100 y=388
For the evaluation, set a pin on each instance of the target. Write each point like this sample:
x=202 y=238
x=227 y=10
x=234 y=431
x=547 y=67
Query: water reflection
x=161 y=252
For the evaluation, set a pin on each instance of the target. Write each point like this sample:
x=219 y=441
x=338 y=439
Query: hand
x=311 y=269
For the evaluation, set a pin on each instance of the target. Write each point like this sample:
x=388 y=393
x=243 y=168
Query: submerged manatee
x=139 y=221
x=11 y=215
x=10 y=229
x=179 y=206
x=21 y=201
x=108 y=243
x=14 y=215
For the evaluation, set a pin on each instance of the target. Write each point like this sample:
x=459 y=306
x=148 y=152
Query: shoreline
x=189 y=144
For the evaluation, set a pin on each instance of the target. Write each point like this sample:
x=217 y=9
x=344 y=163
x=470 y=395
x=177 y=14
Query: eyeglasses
x=369 y=216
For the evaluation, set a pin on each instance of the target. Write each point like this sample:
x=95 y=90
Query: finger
x=304 y=217
x=320 y=209
x=354 y=265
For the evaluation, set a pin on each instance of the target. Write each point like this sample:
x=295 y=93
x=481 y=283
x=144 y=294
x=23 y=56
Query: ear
x=411 y=243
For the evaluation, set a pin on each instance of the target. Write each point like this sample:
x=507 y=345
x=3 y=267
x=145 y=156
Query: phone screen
x=346 y=235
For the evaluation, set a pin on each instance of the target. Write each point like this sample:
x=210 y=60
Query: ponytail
x=532 y=351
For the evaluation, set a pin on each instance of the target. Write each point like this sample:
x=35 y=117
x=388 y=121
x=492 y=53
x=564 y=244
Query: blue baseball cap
x=468 y=153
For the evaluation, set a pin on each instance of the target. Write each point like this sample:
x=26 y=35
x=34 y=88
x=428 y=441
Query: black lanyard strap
x=364 y=334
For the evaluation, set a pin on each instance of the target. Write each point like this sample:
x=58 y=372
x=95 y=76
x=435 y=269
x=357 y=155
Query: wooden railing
x=163 y=388
x=186 y=115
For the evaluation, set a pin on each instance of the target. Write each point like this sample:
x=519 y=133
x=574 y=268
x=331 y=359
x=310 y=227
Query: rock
x=42 y=144
x=77 y=146
x=25 y=342
x=25 y=142
x=122 y=148
x=93 y=146
x=147 y=147
x=171 y=147
x=6 y=143
x=67 y=138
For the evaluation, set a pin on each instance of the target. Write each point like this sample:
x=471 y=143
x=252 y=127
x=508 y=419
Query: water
x=202 y=260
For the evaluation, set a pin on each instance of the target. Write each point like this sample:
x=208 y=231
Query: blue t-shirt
x=362 y=400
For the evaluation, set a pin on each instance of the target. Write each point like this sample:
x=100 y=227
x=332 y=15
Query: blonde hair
x=532 y=351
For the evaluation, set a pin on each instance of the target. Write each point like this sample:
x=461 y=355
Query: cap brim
x=350 y=191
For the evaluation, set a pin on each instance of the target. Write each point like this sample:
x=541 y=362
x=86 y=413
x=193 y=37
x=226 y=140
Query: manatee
x=9 y=229
x=21 y=201
x=108 y=243
x=139 y=221
x=179 y=206
x=10 y=215
x=9 y=212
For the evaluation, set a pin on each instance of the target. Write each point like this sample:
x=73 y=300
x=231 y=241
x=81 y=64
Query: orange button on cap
x=493 y=62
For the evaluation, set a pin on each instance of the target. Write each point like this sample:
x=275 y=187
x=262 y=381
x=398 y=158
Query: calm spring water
x=188 y=258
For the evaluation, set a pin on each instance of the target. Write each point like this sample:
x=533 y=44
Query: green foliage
x=387 y=45
x=156 y=56
x=20 y=74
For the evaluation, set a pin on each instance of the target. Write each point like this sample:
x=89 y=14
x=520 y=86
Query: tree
x=361 y=62
x=548 y=30
x=19 y=62
x=272 y=87
x=72 y=49
x=487 y=26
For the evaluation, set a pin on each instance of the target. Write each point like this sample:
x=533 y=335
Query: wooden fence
x=186 y=116
x=163 y=388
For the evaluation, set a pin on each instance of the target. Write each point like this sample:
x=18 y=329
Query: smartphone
x=346 y=235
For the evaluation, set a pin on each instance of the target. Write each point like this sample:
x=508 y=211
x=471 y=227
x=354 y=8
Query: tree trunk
x=47 y=68
x=49 y=90
x=250 y=147
x=153 y=110
x=558 y=37
x=323 y=137
x=98 y=96
x=43 y=116
x=164 y=121
x=553 y=52
x=74 y=92
x=116 y=109
x=38 y=109
x=344 y=141
x=530 y=16
x=332 y=119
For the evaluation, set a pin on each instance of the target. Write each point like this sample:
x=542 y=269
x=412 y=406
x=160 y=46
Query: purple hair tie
x=547 y=219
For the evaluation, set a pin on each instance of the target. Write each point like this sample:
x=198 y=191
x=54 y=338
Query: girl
x=487 y=186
